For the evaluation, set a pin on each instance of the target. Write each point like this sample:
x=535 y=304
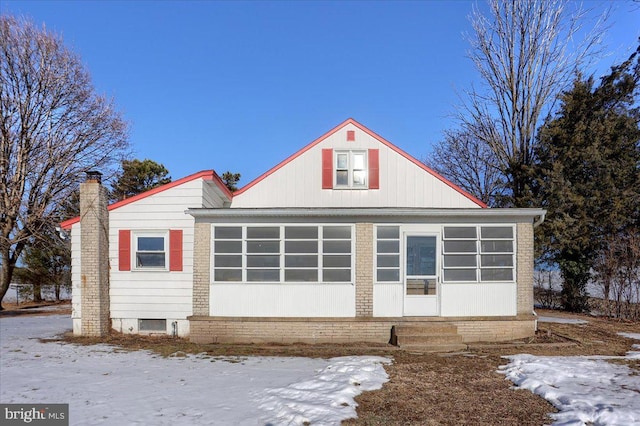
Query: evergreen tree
x=231 y=180
x=137 y=177
x=588 y=174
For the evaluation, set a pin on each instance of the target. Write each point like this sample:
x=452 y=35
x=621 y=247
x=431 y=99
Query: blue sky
x=240 y=86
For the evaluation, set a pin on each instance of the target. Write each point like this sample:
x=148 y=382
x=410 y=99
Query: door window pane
x=421 y=287
x=421 y=256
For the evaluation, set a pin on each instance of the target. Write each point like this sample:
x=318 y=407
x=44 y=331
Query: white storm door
x=421 y=289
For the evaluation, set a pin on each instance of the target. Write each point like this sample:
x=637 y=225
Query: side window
x=150 y=251
x=388 y=254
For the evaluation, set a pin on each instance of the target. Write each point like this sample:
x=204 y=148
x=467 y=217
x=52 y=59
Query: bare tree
x=526 y=53
x=467 y=161
x=53 y=127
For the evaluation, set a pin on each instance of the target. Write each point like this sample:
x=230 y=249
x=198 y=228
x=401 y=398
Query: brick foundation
x=204 y=329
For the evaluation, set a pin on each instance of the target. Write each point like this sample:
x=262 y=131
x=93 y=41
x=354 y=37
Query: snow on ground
x=107 y=386
x=562 y=320
x=585 y=389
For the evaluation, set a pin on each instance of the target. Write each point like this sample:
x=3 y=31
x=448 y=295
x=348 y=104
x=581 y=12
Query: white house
x=349 y=239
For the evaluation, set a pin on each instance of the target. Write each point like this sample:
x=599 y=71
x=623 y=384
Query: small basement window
x=152 y=325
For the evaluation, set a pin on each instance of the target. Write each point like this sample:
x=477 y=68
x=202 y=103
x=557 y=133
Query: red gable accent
x=124 y=250
x=374 y=169
x=327 y=169
x=351 y=135
x=175 y=250
x=205 y=174
x=374 y=135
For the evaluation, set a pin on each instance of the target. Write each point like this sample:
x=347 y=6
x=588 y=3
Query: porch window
x=478 y=253
x=388 y=254
x=282 y=253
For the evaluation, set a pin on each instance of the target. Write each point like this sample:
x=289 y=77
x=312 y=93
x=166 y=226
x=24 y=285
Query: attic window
x=351 y=169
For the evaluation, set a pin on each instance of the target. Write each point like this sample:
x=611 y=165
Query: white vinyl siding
x=298 y=183
x=282 y=253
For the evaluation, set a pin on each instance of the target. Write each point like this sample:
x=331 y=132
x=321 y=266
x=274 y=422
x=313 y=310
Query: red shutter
x=175 y=250
x=374 y=169
x=124 y=250
x=327 y=169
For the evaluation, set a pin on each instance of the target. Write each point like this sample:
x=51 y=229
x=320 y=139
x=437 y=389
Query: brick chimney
x=94 y=263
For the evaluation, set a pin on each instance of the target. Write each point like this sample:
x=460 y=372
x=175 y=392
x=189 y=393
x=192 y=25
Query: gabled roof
x=209 y=175
x=375 y=136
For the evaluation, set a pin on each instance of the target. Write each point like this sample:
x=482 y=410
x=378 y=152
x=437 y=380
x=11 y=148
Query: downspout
x=539 y=219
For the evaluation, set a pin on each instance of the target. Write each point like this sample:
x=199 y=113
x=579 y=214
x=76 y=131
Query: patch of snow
x=562 y=320
x=635 y=336
x=585 y=389
x=105 y=385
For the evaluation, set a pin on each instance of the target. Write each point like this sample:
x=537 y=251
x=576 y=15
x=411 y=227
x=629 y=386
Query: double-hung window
x=351 y=169
x=150 y=250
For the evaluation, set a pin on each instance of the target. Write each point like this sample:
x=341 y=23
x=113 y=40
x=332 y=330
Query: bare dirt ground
x=429 y=389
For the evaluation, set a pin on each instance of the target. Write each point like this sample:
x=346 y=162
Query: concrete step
x=428 y=337
x=432 y=339
x=434 y=348
x=426 y=329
